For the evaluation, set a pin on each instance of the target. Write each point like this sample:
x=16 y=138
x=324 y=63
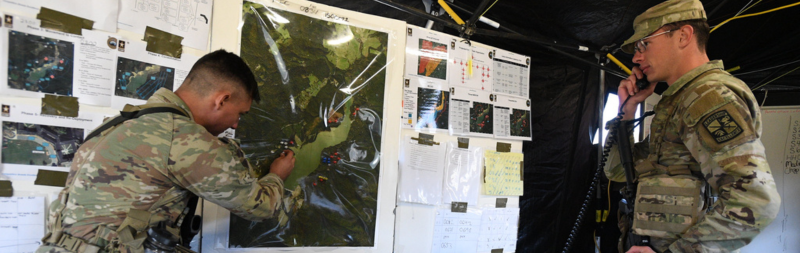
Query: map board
x=322 y=86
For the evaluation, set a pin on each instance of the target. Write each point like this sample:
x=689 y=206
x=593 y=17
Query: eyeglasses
x=640 y=46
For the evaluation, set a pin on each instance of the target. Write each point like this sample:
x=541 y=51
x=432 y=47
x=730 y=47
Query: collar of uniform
x=165 y=95
x=691 y=75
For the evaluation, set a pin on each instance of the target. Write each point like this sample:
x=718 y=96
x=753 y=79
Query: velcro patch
x=722 y=126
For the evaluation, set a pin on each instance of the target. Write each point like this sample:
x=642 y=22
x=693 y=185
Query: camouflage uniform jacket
x=712 y=124
x=152 y=163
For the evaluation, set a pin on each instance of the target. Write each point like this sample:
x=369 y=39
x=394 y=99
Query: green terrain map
x=321 y=85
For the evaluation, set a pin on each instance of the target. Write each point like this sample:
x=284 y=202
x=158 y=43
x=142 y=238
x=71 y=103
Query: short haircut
x=225 y=65
x=701 y=31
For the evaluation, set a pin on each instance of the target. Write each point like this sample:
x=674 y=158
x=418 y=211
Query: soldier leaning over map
x=142 y=172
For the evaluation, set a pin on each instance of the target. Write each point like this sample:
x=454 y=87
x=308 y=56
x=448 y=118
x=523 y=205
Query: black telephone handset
x=642 y=83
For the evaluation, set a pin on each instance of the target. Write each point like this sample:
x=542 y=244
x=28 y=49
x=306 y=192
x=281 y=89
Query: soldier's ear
x=220 y=99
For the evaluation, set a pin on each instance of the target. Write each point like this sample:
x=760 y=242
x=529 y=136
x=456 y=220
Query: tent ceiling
x=755 y=44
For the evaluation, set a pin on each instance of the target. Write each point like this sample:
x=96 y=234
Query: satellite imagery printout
x=136 y=79
x=40 y=64
x=35 y=144
x=322 y=89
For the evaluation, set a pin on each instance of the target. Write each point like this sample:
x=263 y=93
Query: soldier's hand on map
x=283 y=165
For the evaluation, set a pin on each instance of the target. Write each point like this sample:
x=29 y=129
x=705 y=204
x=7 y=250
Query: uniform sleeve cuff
x=272 y=178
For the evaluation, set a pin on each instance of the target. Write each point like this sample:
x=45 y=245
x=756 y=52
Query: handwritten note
x=456 y=232
x=21 y=223
x=498 y=229
x=502 y=173
x=792 y=160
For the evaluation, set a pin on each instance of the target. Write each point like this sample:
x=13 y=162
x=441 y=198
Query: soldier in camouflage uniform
x=141 y=172
x=705 y=133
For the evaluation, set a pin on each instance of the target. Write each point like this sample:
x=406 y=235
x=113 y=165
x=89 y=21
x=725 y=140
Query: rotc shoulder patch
x=722 y=127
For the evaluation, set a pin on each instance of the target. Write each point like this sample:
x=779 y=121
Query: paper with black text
x=21 y=223
x=512 y=118
x=188 y=19
x=471 y=112
x=102 y=12
x=42 y=61
x=425 y=104
x=456 y=232
x=421 y=171
x=32 y=141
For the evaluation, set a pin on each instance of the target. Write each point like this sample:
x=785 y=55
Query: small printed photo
x=140 y=80
x=8 y=21
x=520 y=123
x=121 y=46
x=430 y=62
x=432 y=109
x=6 y=111
x=480 y=118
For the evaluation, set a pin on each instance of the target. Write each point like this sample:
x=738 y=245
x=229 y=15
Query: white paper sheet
x=511 y=73
x=464 y=57
x=32 y=141
x=425 y=104
x=102 y=12
x=94 y=68
x=421 y=170
x=190 y=19
x=456 y=232
x=462 y=174
x=21 y=223
x=37 y=61
x=498 y=229
x=427 y=53
x=43 y=61
x=512 y=118
x=471 y=112
x=139 y=74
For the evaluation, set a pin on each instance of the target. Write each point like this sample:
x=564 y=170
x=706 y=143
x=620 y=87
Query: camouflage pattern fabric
x=655 y=17
x=152 y=163
x=714 y=129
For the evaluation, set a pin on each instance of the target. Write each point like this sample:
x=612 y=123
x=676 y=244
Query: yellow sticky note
x=502 y=175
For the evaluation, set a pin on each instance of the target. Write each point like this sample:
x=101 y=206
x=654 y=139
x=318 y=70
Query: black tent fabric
x=560 y=160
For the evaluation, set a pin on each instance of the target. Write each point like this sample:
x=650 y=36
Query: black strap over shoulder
x=126 y=115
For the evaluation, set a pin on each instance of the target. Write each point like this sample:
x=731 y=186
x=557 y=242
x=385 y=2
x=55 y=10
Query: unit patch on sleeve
x=722 y=126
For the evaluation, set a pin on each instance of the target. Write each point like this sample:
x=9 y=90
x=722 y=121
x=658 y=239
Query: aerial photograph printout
x=432 y=108
x=321 y=84
x=34 y=144
x=40 y=64
x=140 y=80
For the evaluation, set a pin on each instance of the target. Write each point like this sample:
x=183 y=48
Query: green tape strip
x=6 y=190
x=161 y=42
x=51 y=178
x=500 y=202
x=503 y=147
x=59 y=21
x=463 y=142
x=60 y=105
